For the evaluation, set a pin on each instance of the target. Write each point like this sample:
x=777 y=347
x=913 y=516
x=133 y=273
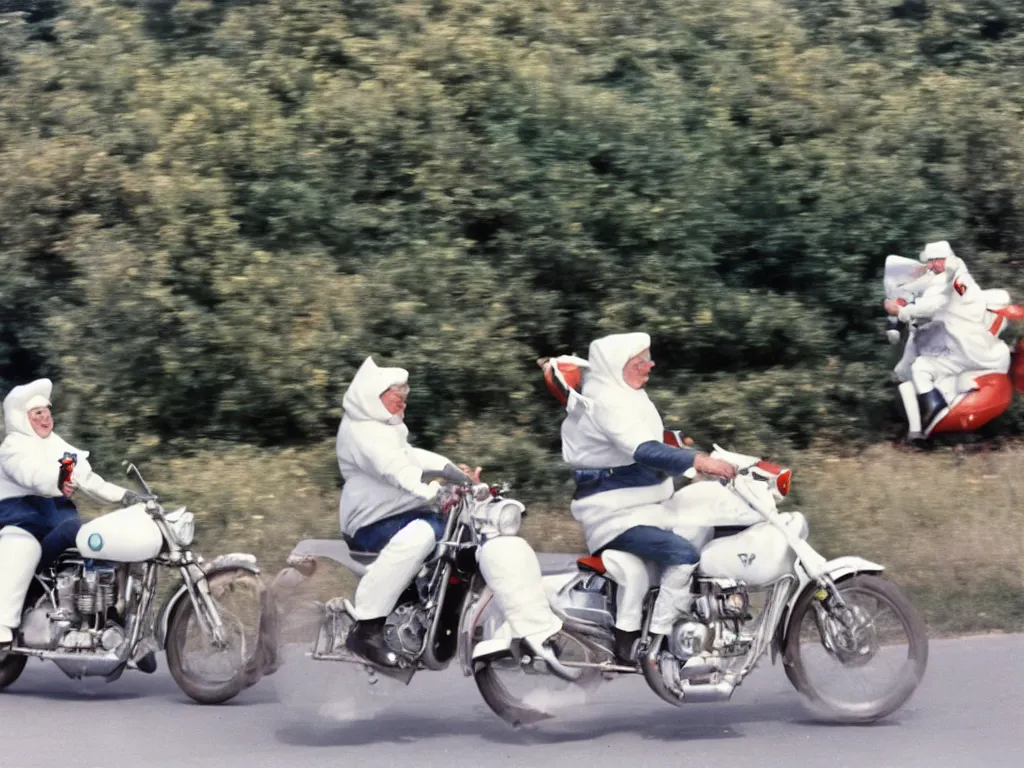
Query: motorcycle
x=810 y=605
x=92 y=612
x=430 y=625
x=975 y=397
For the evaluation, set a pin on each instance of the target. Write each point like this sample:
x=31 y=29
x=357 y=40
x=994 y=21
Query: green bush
x=210 y=213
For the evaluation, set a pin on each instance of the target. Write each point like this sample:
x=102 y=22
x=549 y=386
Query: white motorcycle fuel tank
x=128 y=535
x=757 y=556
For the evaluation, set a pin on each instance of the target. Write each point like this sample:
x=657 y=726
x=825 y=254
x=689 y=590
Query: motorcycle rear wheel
x=828 y=707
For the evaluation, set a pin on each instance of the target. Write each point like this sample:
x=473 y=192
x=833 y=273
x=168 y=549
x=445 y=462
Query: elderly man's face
x=637 y=369
x=394 y=399
x=41 y=420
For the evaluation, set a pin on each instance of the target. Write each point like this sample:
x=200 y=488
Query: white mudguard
x=837 y=568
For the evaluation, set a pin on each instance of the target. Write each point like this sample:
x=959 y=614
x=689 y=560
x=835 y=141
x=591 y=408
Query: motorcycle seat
x=592 y=563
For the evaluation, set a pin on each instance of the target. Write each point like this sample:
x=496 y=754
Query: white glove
x=409 y=480
x=430 y=490
x=893 y=336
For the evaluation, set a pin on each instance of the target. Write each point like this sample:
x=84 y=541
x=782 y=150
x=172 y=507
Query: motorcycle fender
x=837 y=569
x=500 y=644
x=220 y=564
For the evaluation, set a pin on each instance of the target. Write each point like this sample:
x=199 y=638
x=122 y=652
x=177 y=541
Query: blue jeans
x=54 y=522
x=655 y=545
x=373 y=537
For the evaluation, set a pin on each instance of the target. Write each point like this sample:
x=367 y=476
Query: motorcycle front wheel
x=884 y=631
x=208 y=674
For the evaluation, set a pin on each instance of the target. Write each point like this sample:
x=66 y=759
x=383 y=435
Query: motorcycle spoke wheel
x=519 y=695
x=206 y=671
x=861 y=666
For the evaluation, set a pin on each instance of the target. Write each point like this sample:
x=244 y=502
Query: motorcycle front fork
x=205 y=607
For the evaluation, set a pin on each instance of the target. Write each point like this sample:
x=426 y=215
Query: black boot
x=624 y=644
x=367 y=640
x=933 y=409
x=147 y=663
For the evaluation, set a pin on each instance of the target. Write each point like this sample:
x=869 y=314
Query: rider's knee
x=418 y=535
x=19 y=546
x=673 y=549
x=626 y=569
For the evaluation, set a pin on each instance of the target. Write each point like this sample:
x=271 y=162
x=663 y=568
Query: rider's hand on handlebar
x=131 y=497
x=709 y=466
x=69 y=489
x=474 y=474
x=448 y=497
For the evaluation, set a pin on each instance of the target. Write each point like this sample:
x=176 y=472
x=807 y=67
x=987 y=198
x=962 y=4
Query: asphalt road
x=968 y=712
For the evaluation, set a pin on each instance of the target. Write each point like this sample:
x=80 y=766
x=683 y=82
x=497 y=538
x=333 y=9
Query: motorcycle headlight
x=501 y=517
x=182 y=525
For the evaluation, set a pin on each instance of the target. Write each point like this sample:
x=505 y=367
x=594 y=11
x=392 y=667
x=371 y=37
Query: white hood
x=616 y=418
x=362 y=398
x=17 y=404
x=608 y=357
x=20 y=401
x=29 y=463
x=941 y=249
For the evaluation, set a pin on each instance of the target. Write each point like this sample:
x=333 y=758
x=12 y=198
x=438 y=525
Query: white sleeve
x=428 y=460
x=623 y=427
x=383 y=455
x=96 y=486
x=925 y=305
x=32 y=472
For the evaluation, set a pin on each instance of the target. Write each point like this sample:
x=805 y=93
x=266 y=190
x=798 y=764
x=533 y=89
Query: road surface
x=968 y=713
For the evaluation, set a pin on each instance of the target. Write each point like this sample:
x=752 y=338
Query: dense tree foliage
x=211 y=212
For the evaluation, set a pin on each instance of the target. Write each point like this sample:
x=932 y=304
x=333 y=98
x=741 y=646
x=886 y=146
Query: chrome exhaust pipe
x=707 y=692
x=652 y=673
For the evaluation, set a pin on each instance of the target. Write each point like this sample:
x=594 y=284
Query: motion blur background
x=212 y=212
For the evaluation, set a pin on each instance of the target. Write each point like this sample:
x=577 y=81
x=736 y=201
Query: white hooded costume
x=382 y=472
x=29 y=466
x=29 y=463
x=384 y=477
x=605 y=427
x=953 y=332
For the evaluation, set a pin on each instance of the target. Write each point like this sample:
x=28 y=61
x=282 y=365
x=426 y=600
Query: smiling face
x=41 y=420
x=394 y=399
x=637 y=369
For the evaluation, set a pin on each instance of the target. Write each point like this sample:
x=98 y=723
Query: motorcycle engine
x=688 y=638
x=84 y=593
x=405 y=629
x=714 y=613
